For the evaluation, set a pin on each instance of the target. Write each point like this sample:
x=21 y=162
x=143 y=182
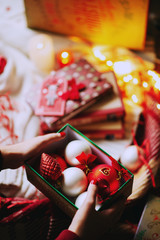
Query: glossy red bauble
x=107 y=179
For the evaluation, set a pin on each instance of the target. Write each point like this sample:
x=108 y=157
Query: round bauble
x=80 y=199
x=130 y=157
x=107 y=179
x=75 y=148
x=74 y=181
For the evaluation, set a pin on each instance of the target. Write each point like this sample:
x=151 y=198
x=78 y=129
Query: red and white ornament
x=130 y=158
x=74 y=149
x=106 y=178
x=74 y=181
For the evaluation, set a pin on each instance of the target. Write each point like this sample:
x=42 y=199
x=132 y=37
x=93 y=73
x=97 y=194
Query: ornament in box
x=80 y=199
x=74 y=181
x=74 y=149
x=50 y=169
x=106 y=178
x=60 y=160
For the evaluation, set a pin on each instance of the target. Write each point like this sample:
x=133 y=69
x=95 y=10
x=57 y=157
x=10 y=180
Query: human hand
x=14 y=156
x=91 y=224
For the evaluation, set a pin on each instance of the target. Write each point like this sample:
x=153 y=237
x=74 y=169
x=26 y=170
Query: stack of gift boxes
x=79 y=95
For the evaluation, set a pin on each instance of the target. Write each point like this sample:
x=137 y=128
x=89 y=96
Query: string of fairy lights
x=134 y=75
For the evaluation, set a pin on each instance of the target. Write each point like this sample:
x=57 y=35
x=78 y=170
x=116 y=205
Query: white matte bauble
x=130 y=157
x=80 y=199
x=75 y=148
x=74 y=181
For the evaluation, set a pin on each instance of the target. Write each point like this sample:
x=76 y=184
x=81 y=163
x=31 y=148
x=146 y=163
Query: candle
x=41 y=52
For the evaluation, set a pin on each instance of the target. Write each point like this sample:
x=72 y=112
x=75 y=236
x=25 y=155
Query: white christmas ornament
x=75 y=148
x=80 y=199
x=130 y=157
x=74 y=181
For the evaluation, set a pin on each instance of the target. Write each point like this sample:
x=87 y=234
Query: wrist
x=1 y=161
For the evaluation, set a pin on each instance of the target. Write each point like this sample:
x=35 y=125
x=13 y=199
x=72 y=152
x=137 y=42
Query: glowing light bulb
x=134 y=98
x=123 y=67
x=157 y=85
x=65 y=54
x=98 y=54
x=127 y=78
x=158 y=106
x=64 y=58
x=109 y=63
x=145 y=84
x=135 y=81
x=150 y=72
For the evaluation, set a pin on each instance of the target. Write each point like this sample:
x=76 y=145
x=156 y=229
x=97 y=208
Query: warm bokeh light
x=134 y=76
x=123 y=67
x=135 y=81
x=64 y=54
x=134 y=98
x=64 y=58
x=145 y=84
x=127 y=78
x=158 y=106
x=109 y=63
x=98 y=54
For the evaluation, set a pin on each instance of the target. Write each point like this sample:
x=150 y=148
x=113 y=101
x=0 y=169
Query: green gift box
x=54 y=194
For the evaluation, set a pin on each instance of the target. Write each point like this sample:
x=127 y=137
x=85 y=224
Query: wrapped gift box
x=55 y=195
x=103 y=22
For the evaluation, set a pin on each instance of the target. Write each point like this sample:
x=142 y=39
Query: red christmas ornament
x=60 y=160
x=50 y=168
x=106 y=178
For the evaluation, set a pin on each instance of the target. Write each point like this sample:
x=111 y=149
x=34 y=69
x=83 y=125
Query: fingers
x=50 y=137
x=91 y=195
x=38 y=144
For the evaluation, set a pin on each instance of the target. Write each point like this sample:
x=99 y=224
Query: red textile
x=67 y=235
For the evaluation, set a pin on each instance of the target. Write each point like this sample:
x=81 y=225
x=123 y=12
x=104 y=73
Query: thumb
x=90 y=200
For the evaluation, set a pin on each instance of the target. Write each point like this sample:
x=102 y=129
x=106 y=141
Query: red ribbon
x=121 y=171
x=85 y=161
x=73 y=92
